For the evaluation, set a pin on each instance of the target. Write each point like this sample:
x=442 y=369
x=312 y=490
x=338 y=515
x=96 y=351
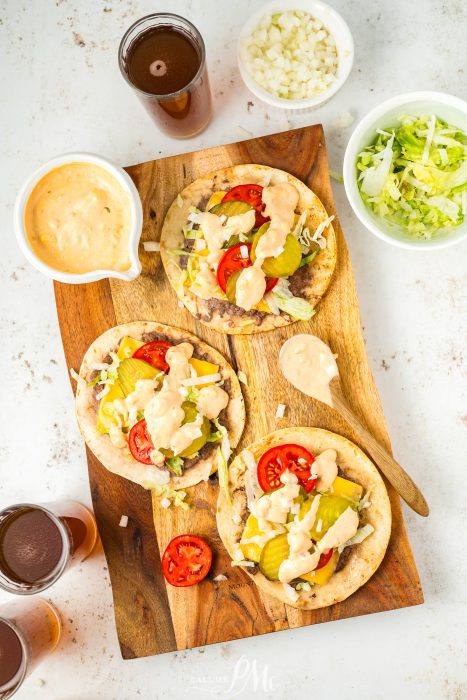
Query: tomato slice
x=323 y=560
x=154 y=354
x=232 y=261
x=278 y=459
x=186 y=560
x=140 y=443
x=252 y=195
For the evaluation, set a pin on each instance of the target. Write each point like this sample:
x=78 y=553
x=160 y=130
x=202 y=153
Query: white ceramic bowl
x=335 y=24
x=136 y=216
x=451 y=109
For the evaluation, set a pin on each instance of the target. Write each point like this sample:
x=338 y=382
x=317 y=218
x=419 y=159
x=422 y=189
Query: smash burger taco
x=158 y=406
x=248 y=248
x=306 y=514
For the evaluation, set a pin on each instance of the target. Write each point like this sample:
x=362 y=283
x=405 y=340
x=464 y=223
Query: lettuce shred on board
x=415 y=175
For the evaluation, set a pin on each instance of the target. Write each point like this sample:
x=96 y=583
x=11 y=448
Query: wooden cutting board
x=152 y=617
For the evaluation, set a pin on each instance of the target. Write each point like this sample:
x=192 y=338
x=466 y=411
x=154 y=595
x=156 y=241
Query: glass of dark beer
x=38 y=543
x=163 y=58
x=29 y=630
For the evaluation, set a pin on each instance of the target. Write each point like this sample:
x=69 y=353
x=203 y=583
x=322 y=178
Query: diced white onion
x=100 y=366
x=291 y=55
x=151 y=246
x=242 y=562
x=200 y=244
x=165 y=503
x=280 y=410
x=207 y=379
x=74 y=374
x=123 y=521
x=290 y=592
x=236 y=518
x=220 y=577
x=242 y=377
x=244 y=251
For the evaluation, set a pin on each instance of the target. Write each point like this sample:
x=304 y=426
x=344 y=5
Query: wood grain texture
x=152 y=617
x=392 y=470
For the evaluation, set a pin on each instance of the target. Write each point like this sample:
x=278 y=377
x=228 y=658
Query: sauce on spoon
x=309 y=365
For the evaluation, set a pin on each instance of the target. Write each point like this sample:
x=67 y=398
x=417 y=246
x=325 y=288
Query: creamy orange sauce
x=280 y=203
x=78 y=218
x=309 y=364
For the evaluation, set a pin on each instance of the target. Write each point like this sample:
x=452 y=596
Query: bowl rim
x=136 y=216
x=346 y=52
x=350 y=184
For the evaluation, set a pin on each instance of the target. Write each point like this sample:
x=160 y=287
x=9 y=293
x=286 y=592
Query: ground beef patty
x=225 y=308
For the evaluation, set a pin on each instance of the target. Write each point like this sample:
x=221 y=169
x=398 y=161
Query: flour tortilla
x=315 y=278
x=119 y=460
x=364 y=558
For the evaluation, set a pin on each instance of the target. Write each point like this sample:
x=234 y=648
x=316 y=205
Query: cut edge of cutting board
x=149 y=614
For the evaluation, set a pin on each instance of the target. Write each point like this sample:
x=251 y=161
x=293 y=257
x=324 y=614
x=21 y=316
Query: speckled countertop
x=62 y=91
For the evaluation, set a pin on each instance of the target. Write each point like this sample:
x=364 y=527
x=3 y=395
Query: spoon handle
x=396 y=475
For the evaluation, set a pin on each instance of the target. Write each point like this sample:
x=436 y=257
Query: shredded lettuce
x=415 y=175
x=223 y=473
x=215 y=436
x=176 y=498
x=191 y=234
x=175 y=464
x=360 y=535
x=298 y=308
x=307 y=259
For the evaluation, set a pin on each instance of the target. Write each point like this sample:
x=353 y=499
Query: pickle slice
x=329 y=510
x=232 y=208
x=275 y=551
x=231 y=285
x=191 y=412
x=132 y=369
x=286 y=263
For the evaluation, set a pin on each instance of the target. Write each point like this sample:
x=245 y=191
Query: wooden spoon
x=405 y=487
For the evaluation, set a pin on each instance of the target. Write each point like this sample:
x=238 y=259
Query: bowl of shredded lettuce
x=405 y=170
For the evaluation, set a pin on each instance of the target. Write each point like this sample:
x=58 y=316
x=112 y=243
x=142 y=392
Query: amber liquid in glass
x=30 y=629
x=162 y=61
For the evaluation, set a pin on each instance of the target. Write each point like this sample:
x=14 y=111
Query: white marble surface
x=62 y=91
